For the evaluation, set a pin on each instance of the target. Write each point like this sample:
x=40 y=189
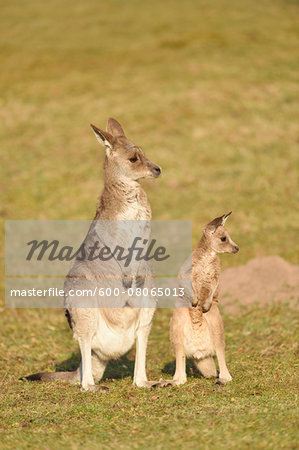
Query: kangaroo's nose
x=236 y=249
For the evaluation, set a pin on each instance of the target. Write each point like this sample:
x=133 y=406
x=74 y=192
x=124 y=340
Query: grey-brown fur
x=197 y=331
x=106 y=333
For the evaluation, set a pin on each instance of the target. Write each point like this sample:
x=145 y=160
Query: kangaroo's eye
x=134 y=159
x=223 y=239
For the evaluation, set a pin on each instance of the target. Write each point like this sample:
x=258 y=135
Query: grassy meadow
x=210 y=92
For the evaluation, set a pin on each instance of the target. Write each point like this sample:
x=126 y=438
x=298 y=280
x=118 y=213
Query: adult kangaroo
x=105 y=332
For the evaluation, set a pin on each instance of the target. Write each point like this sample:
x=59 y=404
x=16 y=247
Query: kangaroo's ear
x=114 y=128
x=219 y=221
x=103 y=137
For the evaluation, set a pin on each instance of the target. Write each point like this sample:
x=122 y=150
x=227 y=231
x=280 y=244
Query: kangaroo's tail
x=71 y=377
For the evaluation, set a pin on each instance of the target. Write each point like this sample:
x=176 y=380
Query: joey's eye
x=134 y=159
x=223 y=239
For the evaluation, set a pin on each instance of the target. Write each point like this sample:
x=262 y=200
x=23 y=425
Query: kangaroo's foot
x=222 y=380
x=166 y=383
x=161 y=383
x=94 y=388
x=179 y=378
x=178 y=381
x=153 y=384
x=224 y=375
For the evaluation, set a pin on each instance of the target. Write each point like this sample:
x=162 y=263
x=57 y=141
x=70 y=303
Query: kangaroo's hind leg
x=142 y=333
x=180 y=376
x=177 y=325
x=87 y=380
x=146 y=317
x=98 y=367
x=86 y=369
x=140 y=378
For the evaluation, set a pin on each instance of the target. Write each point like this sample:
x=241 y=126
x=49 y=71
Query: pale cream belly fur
x=117 y=340
x=112 y=340
x=197 y=344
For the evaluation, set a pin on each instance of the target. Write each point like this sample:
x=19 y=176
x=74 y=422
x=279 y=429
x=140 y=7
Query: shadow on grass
x=115 y=370
x=191 y=369
x=124 y=367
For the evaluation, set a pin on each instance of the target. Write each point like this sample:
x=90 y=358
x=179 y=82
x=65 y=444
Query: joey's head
x=124 y=160
x=218 y=238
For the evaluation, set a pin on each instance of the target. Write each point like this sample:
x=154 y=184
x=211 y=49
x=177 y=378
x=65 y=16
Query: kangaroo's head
x=218 y=237
x=124 y=160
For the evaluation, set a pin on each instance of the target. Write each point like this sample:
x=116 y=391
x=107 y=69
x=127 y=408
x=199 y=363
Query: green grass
x=257 y=410
x=209 y=90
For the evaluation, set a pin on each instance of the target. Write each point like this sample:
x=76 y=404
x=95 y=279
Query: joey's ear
x=225 y=216
x=114 y=128
x=103 y=137
x=219 y=221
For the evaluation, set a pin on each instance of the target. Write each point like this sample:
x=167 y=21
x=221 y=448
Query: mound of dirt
x=262 y=280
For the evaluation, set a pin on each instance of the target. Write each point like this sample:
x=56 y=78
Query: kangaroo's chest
x=135 y=208
x=135 y=211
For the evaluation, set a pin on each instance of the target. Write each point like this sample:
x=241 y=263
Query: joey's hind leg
x=206 y=367
x=177 y=325
x=217 y=329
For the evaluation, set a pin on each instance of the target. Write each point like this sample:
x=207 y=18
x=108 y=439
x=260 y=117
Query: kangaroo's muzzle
x=156 y=171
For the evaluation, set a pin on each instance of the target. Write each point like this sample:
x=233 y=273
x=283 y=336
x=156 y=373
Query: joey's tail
x=71 y=377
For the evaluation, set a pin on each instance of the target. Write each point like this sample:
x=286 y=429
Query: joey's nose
x=157 y=171
x=236 y=249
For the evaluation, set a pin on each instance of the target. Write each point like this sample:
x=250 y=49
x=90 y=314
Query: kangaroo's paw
x=94 y=388
x=127 y=281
